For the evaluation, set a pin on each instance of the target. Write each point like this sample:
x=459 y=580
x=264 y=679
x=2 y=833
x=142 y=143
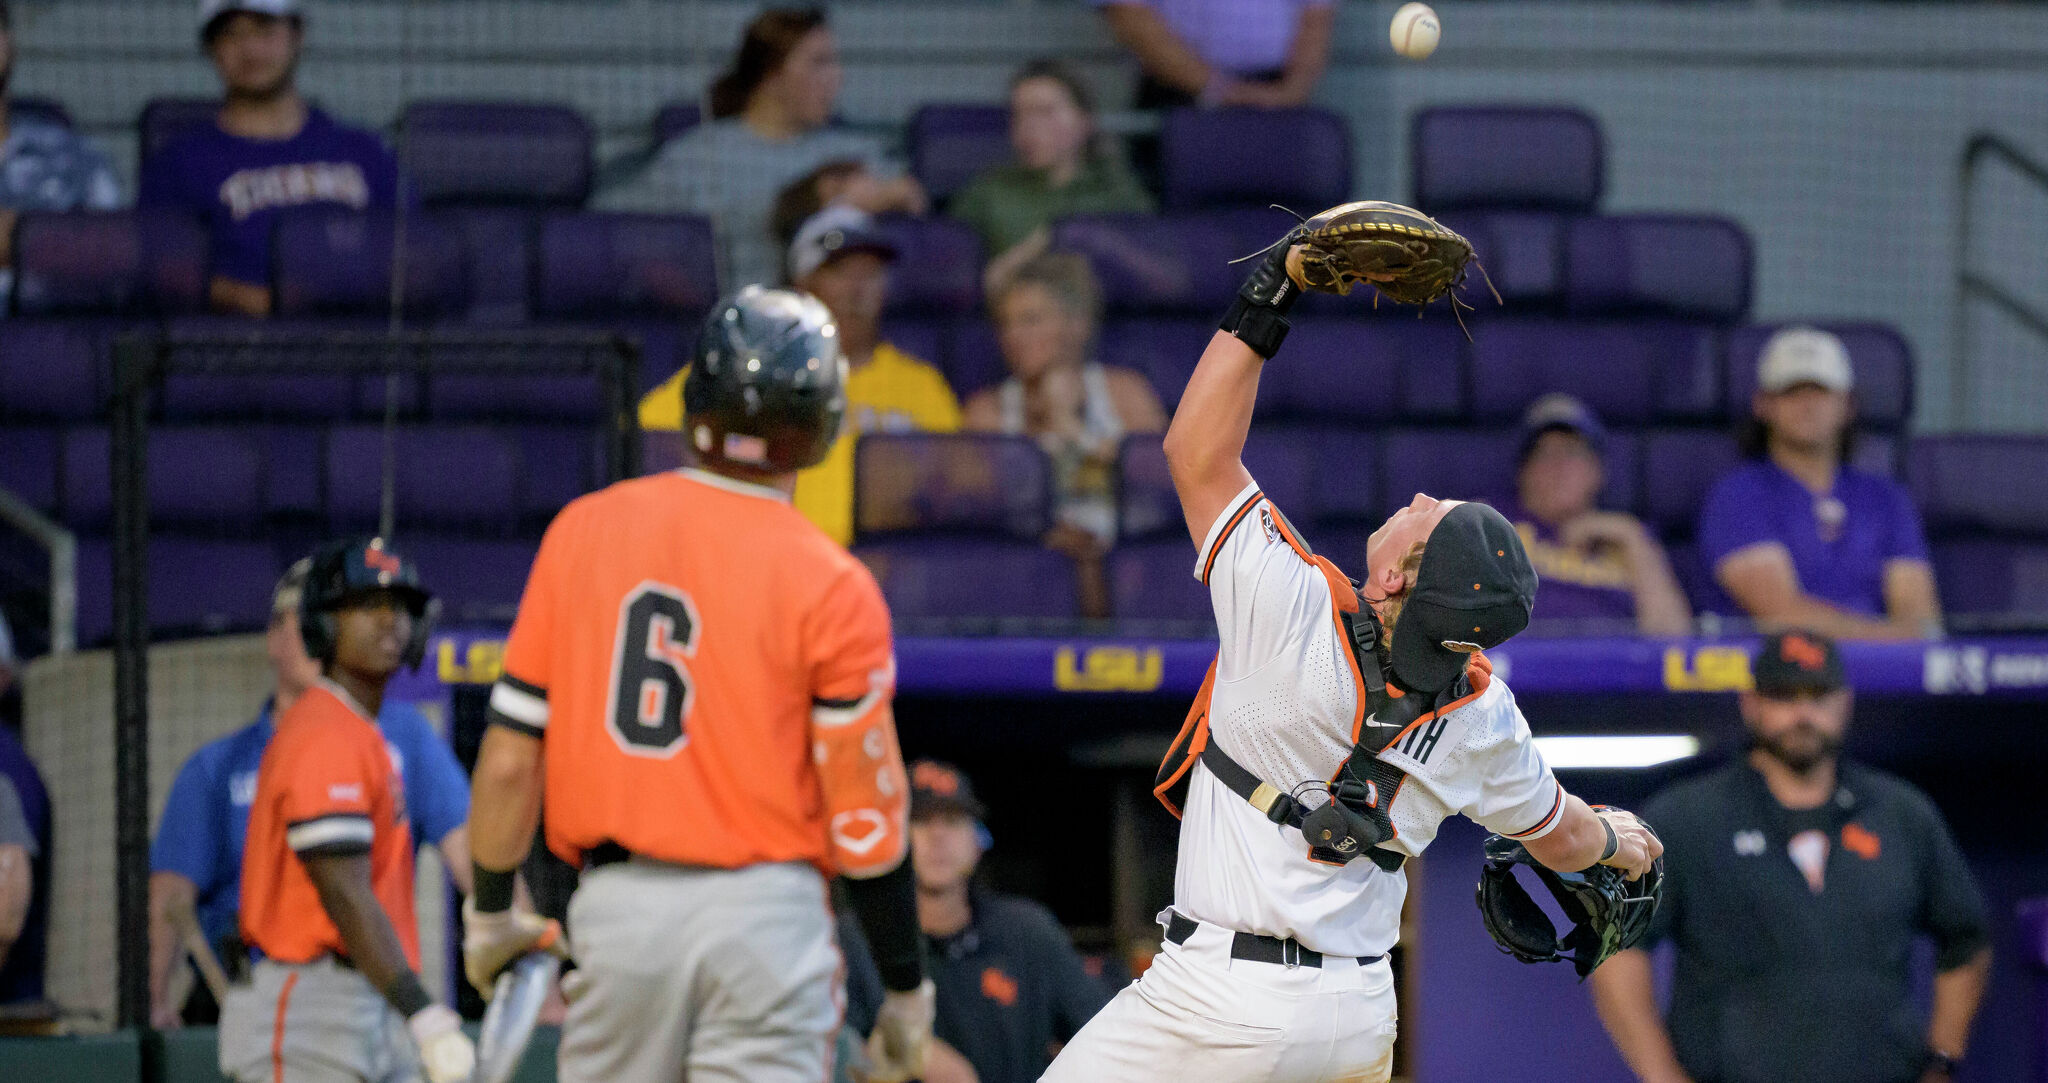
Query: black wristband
x=887 y=908
x=1613 y=840
x=493 y=889
x=407 y=995
x=1257 y=326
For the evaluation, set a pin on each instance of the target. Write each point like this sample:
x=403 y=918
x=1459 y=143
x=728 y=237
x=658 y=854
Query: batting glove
x=446 y=1054
x=903 y=1028
x=490 y=942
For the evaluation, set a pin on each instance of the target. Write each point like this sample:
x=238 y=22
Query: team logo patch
x=1861 y=841
x=1749 y=843
x=345 y=792
x=860 y=830
x=999 y=987
x=1266 y=522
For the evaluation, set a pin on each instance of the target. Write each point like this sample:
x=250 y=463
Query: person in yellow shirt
x=838 y=257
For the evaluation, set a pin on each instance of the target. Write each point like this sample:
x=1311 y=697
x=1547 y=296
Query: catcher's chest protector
x=1364 y=785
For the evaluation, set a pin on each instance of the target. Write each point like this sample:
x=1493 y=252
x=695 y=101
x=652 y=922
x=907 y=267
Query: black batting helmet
x=347 y=569
x=767 y=391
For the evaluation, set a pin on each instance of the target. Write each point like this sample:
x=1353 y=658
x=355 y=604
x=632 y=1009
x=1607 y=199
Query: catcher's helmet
x=348 y=569
x=767 y=391
x=1608 y=912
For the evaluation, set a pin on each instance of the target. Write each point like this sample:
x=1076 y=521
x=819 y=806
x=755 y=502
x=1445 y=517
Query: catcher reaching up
x=1401 y=252
x=1341 y=723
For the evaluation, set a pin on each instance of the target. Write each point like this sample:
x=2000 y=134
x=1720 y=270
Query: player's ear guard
x=1608 y=913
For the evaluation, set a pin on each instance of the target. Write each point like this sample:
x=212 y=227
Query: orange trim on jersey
x=284 y=1002
x=1187 y=744
x=1556 y=807
x=1209 y=564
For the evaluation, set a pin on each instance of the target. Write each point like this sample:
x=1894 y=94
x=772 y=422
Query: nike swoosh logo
x=1381 y=725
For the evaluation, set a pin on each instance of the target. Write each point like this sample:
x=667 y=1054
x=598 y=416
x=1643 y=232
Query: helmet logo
x=1459 y=645
x=377 y=560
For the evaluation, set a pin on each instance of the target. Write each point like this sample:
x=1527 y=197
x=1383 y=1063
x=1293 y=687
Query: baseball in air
x=1415 y=31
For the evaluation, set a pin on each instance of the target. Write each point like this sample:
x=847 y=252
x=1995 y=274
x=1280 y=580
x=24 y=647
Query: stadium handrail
x=62 y=546
x=1970 y=284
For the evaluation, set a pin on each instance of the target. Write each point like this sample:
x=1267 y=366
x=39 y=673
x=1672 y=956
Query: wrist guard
x=1258 y=317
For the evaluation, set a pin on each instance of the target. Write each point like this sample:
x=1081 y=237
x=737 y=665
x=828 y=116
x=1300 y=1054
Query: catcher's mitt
x=1403 y=253
x=1609 y=913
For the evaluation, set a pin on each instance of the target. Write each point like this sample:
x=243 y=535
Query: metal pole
x=620 y=384
x=133 y=363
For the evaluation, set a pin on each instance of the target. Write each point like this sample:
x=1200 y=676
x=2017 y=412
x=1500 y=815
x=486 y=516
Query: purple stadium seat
x=1679 y=466
x=559 y=463
x=443 y=476
x=1347 y=477
x=923 y=337
x=277 y=394
x=1981 y=483
x=116 y=262
x=28 y=464
x=675 y=120
x=938 y=266
x=661 y=451
x=1155 y=581
x=1878 y=453
x=1244 y=157
x=925 y=578
x=497 y=256
x=1169 y=263
x=1696 y=580
x=1626 y=371
x=1527 y=157
x=496 y=152
x=292 y=458
x=503 y=395
x=598 y=266
x=330 y=261
x=949 y=144
x=1993 y=575
x=973 y=359
x=207 y=477
x=1521 y=252
x=952 y=484
x=475 y=578
x=196 y=585
x=47 y=110
x=1449 y=464
x=1882 y=361
x=1688 y=266
x=1367 y=370
x=1282 y=461
x=51 y=369
x=165 y=120
x=1165 y=349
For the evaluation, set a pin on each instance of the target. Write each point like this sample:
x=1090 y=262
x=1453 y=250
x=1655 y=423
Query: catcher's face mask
x=1609 y=913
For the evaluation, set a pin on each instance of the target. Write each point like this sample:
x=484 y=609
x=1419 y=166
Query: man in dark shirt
x=1009 y=981
x=268 y=152
x=1795 y=884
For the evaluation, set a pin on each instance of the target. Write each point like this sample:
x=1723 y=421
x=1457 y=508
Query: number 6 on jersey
x=651 y=693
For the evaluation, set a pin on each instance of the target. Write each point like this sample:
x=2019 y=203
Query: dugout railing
x=405 y=361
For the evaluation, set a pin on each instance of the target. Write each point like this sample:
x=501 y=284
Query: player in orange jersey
x=699 y=684
x=327 y=873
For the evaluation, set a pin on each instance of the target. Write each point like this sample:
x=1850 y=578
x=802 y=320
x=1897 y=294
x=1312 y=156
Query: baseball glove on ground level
x=1403 y=253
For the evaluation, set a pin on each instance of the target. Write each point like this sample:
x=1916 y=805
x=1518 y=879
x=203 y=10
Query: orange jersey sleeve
x=860 y=765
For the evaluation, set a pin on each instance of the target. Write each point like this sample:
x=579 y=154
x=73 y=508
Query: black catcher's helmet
x=767 y=391
x=351 y=567
x=1607 y=911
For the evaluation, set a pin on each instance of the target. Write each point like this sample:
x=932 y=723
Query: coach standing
x=1795 y=884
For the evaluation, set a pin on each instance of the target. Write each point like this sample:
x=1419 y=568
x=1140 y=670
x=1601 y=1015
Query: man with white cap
x=1799 y=537
x=267 y=152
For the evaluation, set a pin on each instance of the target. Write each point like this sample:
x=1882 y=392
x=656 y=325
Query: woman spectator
x=770 y=124
x=1064 y=166
x=1078 y=410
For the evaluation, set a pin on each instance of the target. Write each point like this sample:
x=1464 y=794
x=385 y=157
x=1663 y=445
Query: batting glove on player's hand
x=446 y=1054
x=490 y=942
x=903 y=1028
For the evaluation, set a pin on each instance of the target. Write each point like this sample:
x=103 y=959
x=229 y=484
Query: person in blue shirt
x=268 y=151
x=196 y=860
x=24 y=874
x=1798 y=536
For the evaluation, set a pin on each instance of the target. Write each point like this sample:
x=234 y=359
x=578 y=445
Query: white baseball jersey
x=1283 y=704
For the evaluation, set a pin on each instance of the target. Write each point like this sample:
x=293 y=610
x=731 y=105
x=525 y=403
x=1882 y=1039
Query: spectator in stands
x=838 y=257
x=771 y=115
x=1796 y=885
x=1595 y=565
x=268 y=151
x=1064 y=165
x=1263 y=53
x=1011 y=987
x=1079 y=410
x=44 y=166
x=24 y=873
x=1798 y=537
x=196 y=862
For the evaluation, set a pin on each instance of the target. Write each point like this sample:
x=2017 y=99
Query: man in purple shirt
x=1602 y=570
x=1264 y=53
x=268 y=151
x=1799 y=538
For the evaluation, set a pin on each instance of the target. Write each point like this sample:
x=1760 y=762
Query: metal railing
x=1971 y=285
x=62 y=546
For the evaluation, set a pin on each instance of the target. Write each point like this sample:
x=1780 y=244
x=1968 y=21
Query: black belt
x=1256 y=947
x=605 y=853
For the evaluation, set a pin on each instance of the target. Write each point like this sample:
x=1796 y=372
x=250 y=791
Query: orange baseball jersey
x=711 y=677
x=325 y=787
